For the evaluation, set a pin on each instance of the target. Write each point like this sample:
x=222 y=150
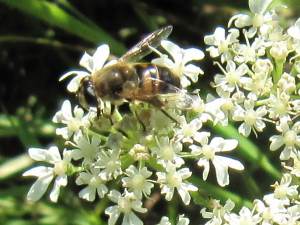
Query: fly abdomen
x=155 y=79
x=168 y=80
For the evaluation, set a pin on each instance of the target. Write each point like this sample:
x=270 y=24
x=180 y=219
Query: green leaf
x=56 y=16
x=14 y=165
x=39 y=41
x=9 y=125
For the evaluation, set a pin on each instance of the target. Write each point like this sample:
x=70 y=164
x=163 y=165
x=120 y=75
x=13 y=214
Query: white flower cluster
x=124 y=155
x=279 y=207
x=258 y=84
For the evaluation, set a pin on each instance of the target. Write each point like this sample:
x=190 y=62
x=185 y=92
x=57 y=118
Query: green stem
x=52 y=14
x=251 y=185
x=172 y=209
x=278 y=70
x=217 y=193
x=262 y=102
x=39 y=41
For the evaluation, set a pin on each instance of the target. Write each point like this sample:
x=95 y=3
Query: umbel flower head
x=128 y=156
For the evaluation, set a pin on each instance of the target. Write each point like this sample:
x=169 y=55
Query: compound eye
x=86 y=94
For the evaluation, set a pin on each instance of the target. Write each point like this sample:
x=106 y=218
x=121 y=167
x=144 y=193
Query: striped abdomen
x=156 y=79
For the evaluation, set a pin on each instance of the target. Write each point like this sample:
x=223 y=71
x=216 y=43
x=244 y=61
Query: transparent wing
x=141 y=49
x=168 y=95
x=179 y=100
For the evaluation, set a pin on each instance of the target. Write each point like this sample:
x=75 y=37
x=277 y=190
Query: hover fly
x=131 y=80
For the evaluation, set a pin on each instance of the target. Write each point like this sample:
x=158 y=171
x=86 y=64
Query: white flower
x=293 y=215
x=279 y=105
x=172 y=179
x=168 y=151
x=259 y=16
x=233 y=77
x=207 y=152
x=126 y=204
x=136 y=181
x=221 y=44
x=198 y=106
x=110 y=162
x=181 y=221
x=249 y=53
x=86 y=149
x=245 y=217
x=290 y=138
x=217 y=215
x=261 y=81
x=220 y=108
x=294 y=31
x=91 y=63
x=253 y=119
x=47 y=174
x=295 y=168
x=285 y=190
x=95 y=184
x=74 y=123
x=188 y=132
x=287 y=83
x=270 y=213
x=279 y=50
x=180 y=65
x=164 y=221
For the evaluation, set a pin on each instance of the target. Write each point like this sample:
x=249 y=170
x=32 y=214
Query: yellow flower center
x=60 y=168
x=208 y=152
x=290 y=138
x=250 y=117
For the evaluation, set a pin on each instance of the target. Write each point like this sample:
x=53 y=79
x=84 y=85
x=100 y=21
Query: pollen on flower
x=73 y=125
x=167 y=152
x=232 y=77
x=60 y=168
x=208 y=152
x=173 y=179
x=138 y=181
x=125 y=205
x=290 y=138
x=95 y=181
x=257 y=20
x=250 y=117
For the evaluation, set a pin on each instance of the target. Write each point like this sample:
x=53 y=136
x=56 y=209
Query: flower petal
x=184 y=194
x=100 y=57
x=39 y=188
x=74 y=84
x=113 y=214
x=259 y=6
x=232 y=163
x=163 y=61
x=39 y=171
x=174 y=50
x=88 y=194
x=86 y=61
x=192 y=54
x=221 y=171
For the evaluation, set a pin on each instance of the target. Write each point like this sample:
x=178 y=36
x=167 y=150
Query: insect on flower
x=127 y=79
